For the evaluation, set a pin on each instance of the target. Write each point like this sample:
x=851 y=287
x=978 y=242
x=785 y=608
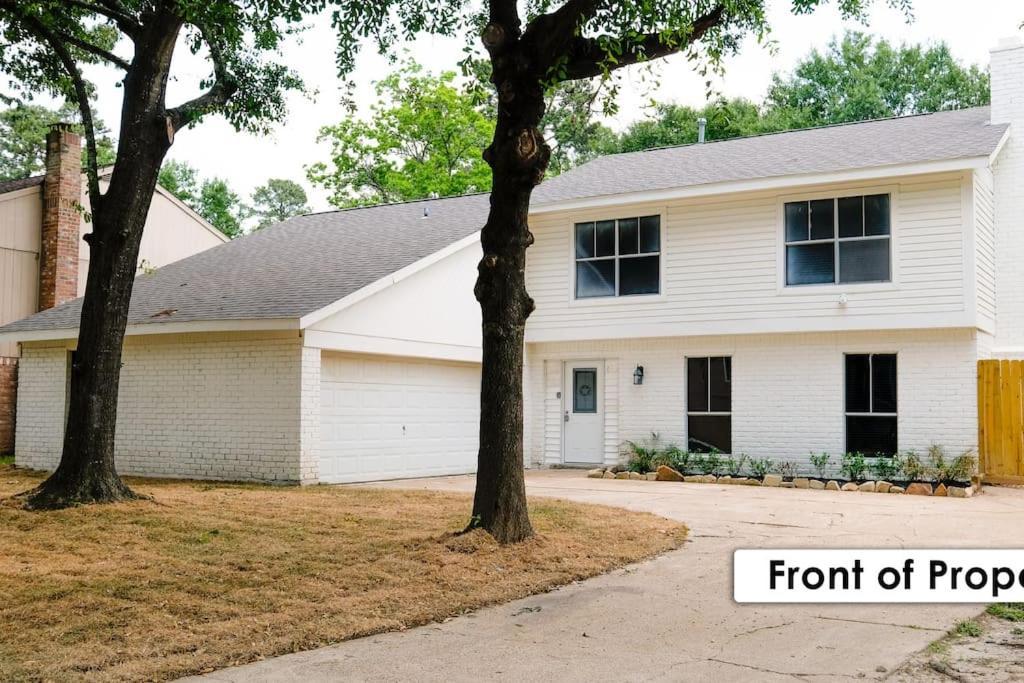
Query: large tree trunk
x=86 y=473
x=518 y=157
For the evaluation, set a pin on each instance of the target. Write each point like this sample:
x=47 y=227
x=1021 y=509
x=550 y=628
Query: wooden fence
x=1001 y=420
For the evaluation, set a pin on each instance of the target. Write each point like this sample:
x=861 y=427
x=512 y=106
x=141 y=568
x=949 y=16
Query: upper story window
x=839 y=240
x=618 y=257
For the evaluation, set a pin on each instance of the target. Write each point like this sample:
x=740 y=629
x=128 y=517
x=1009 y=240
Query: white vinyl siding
x=722 y=270
x=985 y=246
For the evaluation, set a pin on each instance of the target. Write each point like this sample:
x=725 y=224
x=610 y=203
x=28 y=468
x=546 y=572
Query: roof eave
x=249 y=325
x=772 y=183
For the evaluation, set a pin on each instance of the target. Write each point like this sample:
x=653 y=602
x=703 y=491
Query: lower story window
x=709 y=404
x=871 y=413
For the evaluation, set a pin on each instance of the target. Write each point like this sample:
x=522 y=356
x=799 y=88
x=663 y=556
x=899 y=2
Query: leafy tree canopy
x=211 y=198
x=424 y=137
x=277 y=200
x=859 y=78
x=23 y=129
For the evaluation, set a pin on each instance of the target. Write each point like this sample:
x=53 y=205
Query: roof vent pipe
x=702 y=125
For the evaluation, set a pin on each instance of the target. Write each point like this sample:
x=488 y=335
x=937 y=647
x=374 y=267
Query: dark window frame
x=575 y=395
x=871 y=412
x=836 y=240
x=708 y=412
x=616 y=256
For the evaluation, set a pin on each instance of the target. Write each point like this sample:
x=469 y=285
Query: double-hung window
x=839 y=240
x=709 y=404
x=871 y=403
x=618 y=257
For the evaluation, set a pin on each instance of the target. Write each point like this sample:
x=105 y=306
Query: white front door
x=583 y=413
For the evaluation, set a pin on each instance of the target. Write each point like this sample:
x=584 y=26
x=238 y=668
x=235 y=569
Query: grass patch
x=967 y=627
x=7 y=459
x=209 y=575
x=1011 y=611
x=938 y=647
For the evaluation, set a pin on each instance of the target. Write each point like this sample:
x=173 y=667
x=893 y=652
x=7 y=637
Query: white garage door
x=389 y=418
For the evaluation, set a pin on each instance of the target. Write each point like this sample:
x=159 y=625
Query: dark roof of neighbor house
x=20 y=183
x=304 y=264
x=870 y=144
x=290 y=269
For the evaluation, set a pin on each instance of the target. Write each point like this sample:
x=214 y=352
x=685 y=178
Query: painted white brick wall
x=787 y=389
x=309 y=416
x=209 y=407
x=1007 y=69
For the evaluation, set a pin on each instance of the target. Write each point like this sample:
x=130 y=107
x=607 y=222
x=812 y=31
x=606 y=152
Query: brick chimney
x=62 y=194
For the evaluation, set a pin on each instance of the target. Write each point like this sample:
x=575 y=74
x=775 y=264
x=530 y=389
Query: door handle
x=567 y=416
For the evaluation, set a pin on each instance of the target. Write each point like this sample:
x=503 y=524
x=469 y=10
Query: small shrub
x=884 y=468
x=788 y=469
x=912 y=466
x=710 y=463
x=820 y=462
x=962 y=468
x=1011 y=611
x=734 y=466
x=671 y=456
x=760 y=466
x=937 y=470
x=967 y=627
x=853 y=466
x=640 y=455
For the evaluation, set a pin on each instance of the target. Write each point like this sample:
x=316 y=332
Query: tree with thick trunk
x=44 y=45
x=559 y=41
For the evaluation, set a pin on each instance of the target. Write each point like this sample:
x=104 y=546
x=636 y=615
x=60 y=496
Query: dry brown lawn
x=208 y=575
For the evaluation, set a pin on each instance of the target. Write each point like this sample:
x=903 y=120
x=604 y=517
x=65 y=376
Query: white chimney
x=1006 y=183
x=1007 y=69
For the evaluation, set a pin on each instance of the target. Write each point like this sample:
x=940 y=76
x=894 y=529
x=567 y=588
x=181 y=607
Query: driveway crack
x=881 y=623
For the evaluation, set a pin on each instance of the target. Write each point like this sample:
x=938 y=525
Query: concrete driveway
x=673 y=618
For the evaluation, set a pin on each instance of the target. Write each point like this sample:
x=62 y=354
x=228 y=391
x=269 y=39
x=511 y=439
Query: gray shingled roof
x=291 y=269
x=885 y=142
x=306 y=263
x=20 y=184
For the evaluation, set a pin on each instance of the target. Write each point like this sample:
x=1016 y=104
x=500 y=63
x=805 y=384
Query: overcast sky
x=246 y=161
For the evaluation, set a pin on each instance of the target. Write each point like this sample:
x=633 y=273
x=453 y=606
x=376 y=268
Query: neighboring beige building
x=44 y=261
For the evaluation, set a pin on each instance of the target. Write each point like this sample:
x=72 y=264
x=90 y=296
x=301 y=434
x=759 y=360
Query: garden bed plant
x=931 y=474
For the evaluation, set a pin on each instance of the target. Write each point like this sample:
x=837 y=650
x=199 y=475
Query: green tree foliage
x=424 y=137
x=181 y=179
x=211 y=198
x=23 y=129
x=675 y=124
x=220 y=205
x=855 y=79
x=860 y=78
x=277 y=200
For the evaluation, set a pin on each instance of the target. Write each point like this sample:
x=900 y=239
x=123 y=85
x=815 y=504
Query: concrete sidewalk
x=673 y=618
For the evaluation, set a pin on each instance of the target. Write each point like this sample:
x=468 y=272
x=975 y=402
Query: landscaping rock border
x=666 y=473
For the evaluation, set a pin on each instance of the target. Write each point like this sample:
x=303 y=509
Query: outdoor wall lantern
x=638 y=375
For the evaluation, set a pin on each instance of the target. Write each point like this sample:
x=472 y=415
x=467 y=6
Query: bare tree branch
x=95 y=50
x=224 y=86
x=587 y=57
x=112 y=10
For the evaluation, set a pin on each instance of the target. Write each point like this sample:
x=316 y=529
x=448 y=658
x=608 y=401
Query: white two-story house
x=820 y=290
